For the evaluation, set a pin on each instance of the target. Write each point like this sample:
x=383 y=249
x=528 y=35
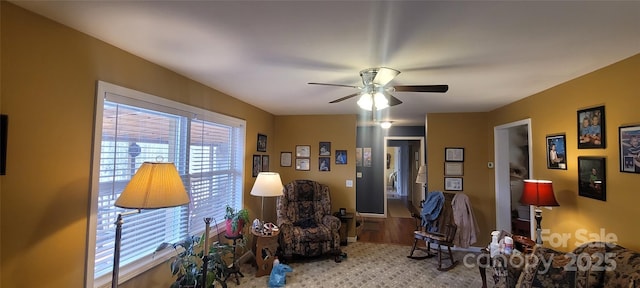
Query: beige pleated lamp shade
x=155 y=185
x=268 y=184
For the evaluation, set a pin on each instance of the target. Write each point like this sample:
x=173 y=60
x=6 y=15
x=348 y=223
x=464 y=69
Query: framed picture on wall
x=591 y=124
x=454 y=154
x=303 y=151
x=324 y=163
x=285 y=159
x=262 y=143
x=629 y=139
x=257 y=165
x=359 y=157
x=592 y=177
x=341 y=157
x=325 y=148
x=453 y=183
x=557 y=152
x=302 y=164
x=265 y=163
x=453 y=169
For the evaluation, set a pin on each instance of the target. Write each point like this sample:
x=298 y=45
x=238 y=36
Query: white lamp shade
x=155 y=185
x=422 y=174
x=268 y=184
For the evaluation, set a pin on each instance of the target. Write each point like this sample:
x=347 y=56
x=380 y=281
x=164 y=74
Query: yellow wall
x=555 y=111
x=552 y=111
x=468 y=130
x=49 y=74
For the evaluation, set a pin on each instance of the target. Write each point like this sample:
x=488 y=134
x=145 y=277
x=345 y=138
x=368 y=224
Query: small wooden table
x=344 y=229
x=265 y=251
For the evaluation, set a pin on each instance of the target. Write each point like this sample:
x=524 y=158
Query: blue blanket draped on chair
x=431 y=209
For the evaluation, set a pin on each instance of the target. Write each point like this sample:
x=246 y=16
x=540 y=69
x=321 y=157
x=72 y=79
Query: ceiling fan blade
x=422 y=88
x=393 y=101
x=344 y=98
x=338 y=85
x=384 y=75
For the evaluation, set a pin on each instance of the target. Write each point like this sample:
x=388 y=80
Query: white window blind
x=207 y=149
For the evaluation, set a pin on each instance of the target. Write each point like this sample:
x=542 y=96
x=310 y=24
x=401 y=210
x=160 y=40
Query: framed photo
x=454 y=154
x=366 y=156
x=265 y=163
x=453 y=183
x=324 y=163
x=592 y=177
x=341 y=157
x=591 y=132
x=302 y=164
x=303 y=151
x=557 y=152
x=262 y=143
x=325 y=148
x=359 y=157
x=257 y=165
x=285 y=159
x=629 y=139
x=453 y=169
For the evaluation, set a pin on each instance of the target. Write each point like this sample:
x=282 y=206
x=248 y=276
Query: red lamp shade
x=538 y=193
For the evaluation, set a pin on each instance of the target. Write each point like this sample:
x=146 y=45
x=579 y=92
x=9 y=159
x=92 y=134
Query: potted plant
x=235 y=220
x=187 y=265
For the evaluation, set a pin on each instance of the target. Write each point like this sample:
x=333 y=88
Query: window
x=131 y=128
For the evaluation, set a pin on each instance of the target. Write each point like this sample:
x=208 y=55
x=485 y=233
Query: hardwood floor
x=391 y=230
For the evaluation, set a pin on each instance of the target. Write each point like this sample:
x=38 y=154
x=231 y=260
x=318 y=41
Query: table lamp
x=155 y=185
x=538 y=193
x=268 y=184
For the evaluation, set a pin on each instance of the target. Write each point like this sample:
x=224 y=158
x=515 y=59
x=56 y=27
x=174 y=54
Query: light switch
x=358 y=174
x=349 y=183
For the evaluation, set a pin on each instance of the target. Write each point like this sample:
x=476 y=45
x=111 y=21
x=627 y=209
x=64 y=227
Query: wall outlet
x=358 y=174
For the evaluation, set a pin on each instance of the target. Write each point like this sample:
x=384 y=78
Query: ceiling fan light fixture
x=366 y=102
x=380 y=101
x=385 y=125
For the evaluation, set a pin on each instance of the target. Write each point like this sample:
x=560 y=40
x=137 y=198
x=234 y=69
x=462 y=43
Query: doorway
x=513 y=163
x=403 y=156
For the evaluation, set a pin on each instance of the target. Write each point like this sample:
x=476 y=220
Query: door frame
x=421 y=162
x=502 y=177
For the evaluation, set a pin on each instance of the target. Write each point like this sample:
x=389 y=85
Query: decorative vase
x=229 y=228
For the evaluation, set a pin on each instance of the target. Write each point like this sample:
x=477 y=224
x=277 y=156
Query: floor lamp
x=155 y=185
x=538 y=193
x=268 y=184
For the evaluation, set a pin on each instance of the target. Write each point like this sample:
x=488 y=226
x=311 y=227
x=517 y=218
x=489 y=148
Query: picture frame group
x=453 y=166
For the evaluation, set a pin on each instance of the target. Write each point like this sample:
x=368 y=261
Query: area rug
x=369 y=265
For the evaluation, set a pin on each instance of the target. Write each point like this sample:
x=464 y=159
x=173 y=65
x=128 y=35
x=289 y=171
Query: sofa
x=307 y=226
x=593 y=264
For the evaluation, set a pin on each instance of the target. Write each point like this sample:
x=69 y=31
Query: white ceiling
x=490 y=53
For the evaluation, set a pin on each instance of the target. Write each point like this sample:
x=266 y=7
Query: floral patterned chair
x=307 y=227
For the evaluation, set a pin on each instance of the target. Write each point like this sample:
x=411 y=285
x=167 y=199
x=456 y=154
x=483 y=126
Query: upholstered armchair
x=307 y=227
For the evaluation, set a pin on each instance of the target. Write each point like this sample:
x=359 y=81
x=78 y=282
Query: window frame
x=149 y=261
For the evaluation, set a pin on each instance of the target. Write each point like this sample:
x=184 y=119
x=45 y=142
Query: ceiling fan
x=374 y=90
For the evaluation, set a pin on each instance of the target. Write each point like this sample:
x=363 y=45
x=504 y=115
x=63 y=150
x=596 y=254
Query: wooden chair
x=442 y=237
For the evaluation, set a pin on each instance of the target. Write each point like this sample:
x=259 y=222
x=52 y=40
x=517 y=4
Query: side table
x=234 y=269
x=265 y=251
x=344 y=219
